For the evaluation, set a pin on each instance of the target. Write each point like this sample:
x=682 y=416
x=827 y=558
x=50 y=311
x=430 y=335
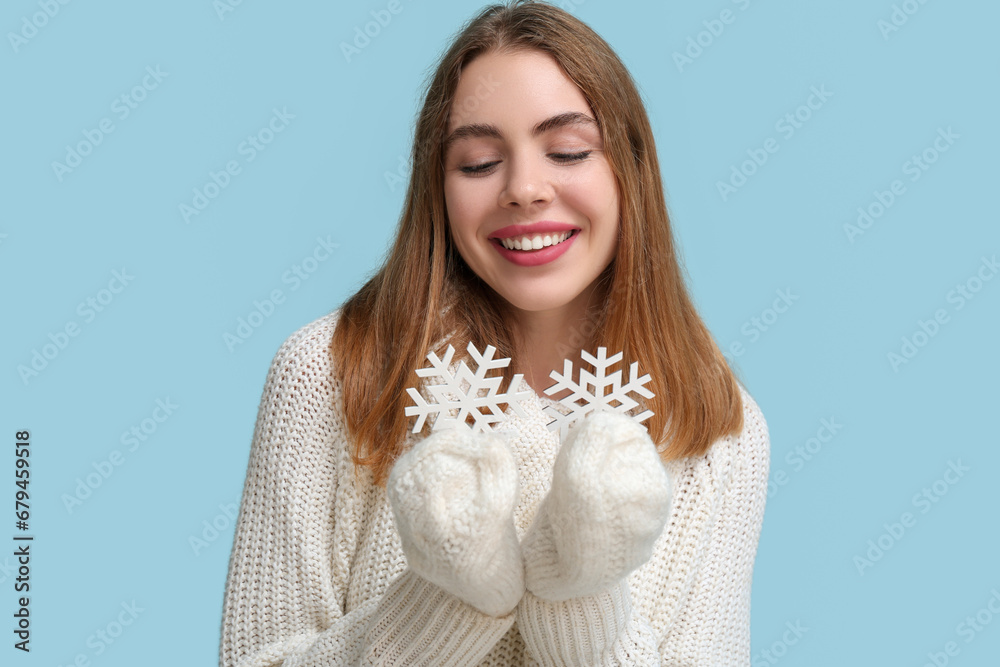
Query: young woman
x=534 y=222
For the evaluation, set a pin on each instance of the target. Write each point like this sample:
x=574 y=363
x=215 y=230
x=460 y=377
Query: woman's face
x=524 y=159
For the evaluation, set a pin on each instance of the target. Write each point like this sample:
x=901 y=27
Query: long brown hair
x=425 y=293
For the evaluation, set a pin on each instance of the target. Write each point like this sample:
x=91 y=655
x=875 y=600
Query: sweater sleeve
x=601 y=629
x=284 y=598
x=713 y=628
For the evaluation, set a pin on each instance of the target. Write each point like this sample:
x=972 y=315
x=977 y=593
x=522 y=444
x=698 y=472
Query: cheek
x=597 y=196
x=600 y=203
x=609 y=185
x=610 y=197
x=461 y=219
x=460 y=204
x=450 y=199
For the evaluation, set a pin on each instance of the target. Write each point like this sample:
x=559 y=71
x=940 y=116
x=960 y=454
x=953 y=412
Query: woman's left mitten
x=608 y=504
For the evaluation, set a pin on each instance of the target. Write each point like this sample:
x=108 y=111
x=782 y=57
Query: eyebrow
x=564 y=119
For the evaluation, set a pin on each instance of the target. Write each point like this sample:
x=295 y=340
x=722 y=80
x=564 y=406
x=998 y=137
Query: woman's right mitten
x=608 y=504
x=453 y=497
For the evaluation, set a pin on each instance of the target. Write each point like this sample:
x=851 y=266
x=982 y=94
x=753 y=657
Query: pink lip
x=533 y=257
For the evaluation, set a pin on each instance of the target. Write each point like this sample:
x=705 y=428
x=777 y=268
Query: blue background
x=328 y=174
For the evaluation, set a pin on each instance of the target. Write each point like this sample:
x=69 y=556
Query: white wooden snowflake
x=463 y=391
x=584 y=401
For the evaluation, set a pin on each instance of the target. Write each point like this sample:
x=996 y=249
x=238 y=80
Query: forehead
x=514 y=91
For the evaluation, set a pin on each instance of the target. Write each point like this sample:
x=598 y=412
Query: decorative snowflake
x=583 y=401
x=462 y=391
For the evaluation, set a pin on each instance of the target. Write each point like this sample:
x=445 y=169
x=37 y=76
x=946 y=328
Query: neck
x=547 y=338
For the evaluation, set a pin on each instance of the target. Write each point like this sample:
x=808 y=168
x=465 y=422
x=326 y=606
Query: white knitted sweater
x=317 y=575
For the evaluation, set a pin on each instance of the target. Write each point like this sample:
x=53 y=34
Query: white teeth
x=536 y=242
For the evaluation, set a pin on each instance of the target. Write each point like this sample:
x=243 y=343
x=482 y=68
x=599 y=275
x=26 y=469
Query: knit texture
x=608 y=503
x=318 y=574
x=599 y=629
x=453 y=498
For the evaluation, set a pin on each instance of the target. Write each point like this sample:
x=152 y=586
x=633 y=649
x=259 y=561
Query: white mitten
x=609 y=502
x=453 y=497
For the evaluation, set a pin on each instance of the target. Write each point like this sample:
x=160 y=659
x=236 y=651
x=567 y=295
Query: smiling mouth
x=536 y=241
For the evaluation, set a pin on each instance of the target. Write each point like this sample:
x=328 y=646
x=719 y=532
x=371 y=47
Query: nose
x=527 y=182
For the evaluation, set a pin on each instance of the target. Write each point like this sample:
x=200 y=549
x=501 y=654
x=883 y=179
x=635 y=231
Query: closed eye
x=487 y=167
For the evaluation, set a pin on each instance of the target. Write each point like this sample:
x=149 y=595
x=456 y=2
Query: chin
x=537 y=303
